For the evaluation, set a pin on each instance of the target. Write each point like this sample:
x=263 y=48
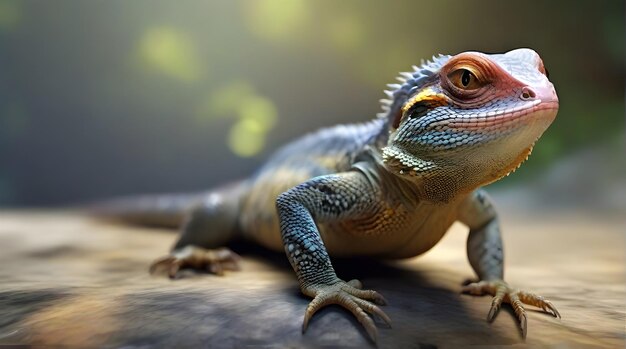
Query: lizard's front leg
x=326 y=198
x=484 y=251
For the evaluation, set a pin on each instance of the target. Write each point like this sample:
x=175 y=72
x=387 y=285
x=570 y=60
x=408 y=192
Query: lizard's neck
x=415 y=178
x=432 y=186
x=422 y=179
x=444 y=179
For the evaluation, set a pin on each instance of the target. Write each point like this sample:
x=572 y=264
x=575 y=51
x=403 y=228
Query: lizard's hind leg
x=209 y=226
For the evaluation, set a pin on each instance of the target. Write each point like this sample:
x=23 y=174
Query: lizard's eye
x=464 y=79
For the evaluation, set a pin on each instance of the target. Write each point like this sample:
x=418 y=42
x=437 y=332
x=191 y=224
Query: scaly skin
x=391 y=187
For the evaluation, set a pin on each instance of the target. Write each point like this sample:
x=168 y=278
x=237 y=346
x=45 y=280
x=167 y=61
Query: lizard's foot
x=215 y=261
x=501 y=291
x=350 y=296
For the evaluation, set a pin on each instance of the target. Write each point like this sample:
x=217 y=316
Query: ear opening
x=416 y=110
x=394 y=116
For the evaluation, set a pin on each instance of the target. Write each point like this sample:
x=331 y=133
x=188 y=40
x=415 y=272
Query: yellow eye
x=464 y=79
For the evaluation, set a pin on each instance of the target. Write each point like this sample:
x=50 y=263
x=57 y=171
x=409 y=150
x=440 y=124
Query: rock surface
x=67 y=280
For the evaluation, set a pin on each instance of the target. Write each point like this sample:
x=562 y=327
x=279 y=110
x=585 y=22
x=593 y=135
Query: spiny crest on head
x=409 y=82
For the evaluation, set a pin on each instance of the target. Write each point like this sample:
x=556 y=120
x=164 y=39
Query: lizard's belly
x=390 y=230
x=398 y=233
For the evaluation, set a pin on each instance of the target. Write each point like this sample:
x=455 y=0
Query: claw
x=161 y=261
x=495 y=306
x=373 y=309
x=380 y=300
x=538 y=301
x=551 y=306
x=523 y=325
x=348 y=295
x=370 y=295
x=173 y=269
x=502 y=292
x=214 y=261
x=519 y=311
x=366 y=321
x=316 y=304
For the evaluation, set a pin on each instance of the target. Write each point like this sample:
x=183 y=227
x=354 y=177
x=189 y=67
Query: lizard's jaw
x=492 y=125
x=521 y=130
x=495 y=145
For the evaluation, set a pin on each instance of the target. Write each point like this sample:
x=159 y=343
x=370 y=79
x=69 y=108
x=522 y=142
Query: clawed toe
x=214 y=261
x=501 y=292
x=540 y=302
x=350 y=296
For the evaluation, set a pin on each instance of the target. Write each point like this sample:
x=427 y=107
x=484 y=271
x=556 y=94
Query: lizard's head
x=468 y=119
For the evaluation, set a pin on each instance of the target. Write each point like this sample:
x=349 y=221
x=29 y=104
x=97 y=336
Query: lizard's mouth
x=531 y=112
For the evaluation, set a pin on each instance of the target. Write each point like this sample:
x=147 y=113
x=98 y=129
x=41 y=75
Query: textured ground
x=66 y=280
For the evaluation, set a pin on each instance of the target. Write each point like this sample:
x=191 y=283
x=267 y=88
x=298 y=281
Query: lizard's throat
x=511 y=167
x=440 y=181
x=430 y=181
x=404 y=163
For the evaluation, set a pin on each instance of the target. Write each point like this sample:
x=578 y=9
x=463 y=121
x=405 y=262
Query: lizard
x=386 y=188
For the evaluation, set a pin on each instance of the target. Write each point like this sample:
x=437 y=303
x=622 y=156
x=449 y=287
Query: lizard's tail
x=158 y=210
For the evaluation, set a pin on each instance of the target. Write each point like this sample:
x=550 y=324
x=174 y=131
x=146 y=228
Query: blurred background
x=107 y=98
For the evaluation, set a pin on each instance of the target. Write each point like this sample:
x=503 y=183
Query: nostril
x=527 y=93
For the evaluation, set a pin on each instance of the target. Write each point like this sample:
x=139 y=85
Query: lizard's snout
x=543 y=93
